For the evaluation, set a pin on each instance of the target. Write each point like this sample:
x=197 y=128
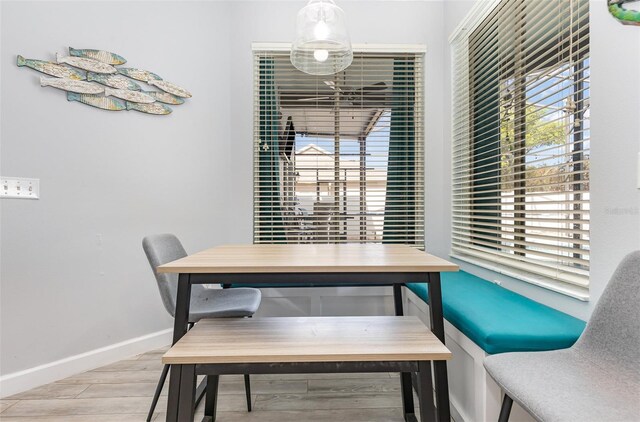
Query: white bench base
x=474 y=396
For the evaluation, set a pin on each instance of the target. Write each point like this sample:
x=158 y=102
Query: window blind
x=339 y=158
x=521 y=139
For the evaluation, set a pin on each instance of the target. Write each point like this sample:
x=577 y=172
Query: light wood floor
x=122 y=392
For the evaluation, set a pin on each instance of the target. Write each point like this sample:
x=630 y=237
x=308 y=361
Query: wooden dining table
x=318 y=264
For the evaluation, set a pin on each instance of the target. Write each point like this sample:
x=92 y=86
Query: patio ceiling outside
x=311 y=101
x=354 y=123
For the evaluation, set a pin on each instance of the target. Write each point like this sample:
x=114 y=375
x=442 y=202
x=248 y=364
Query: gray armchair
x=205 y=303
x=598 y=378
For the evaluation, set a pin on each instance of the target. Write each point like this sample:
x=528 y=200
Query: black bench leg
x=211 y=400
x=247 y=391
x=186 y=402
x=174 y=393
x=425 y=392
x=505 y=410
x=405 y=377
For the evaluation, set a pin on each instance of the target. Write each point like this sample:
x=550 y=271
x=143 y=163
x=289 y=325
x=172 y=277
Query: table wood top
x=308 y=258
x=307 y=339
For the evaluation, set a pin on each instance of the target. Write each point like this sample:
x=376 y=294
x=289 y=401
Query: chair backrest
x=161 y=249
x=612 y=335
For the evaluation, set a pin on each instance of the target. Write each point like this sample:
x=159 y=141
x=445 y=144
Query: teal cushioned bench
x=499 y=320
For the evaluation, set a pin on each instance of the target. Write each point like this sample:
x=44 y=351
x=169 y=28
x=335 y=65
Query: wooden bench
x=302 y=345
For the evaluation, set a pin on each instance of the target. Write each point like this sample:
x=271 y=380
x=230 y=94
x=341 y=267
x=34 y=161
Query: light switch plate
x=19 y=188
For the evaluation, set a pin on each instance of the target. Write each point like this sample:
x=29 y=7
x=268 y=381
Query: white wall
x=74 y=276
x=615 y=135
x=615 y=111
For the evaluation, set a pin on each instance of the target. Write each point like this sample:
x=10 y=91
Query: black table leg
x=183 y=299
x=425 y=392
x=180 y=326
x=406 y=388
x=439 y=367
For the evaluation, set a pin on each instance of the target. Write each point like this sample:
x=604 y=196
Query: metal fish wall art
x=165 y=97
x=133 y=96
x=624 y=15
x=155 y=108
x=52 y=69
x=99 y=55
x=80 y=87
x=98 y=101
x=171 y=88
x=86 y=64
x=138 y=74
x=114 y=81
x=93 y=77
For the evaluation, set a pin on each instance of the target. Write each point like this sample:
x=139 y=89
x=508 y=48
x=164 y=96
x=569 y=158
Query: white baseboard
x=27 y=379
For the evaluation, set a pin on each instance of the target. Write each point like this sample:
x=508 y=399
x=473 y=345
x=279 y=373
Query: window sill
x=572 y=291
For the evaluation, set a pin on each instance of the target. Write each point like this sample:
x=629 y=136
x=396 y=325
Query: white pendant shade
x=322 y=45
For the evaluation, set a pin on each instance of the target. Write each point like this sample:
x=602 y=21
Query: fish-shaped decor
x=155 y=108
x=98 y=101
x=99 y=55
x=170 y=88
x=138 y=74
x=624 y=15
x=165 y=97
x=133 y=96
x=87 y=64
x=114 y=81
x=80 y=87
x=53 y=69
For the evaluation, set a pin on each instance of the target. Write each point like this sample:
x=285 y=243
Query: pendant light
x=322 y=45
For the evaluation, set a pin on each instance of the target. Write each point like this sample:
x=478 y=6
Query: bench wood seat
x=307 y=339
x=308 y=344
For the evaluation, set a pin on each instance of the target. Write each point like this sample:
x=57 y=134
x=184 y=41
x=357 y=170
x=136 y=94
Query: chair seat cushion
x=499 y=320
x=567 y=385
x=220 y=303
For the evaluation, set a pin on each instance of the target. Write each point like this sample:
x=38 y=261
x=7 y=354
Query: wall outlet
x=19 y=188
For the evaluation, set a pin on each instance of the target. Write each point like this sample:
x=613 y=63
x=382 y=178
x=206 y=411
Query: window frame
x=400 y=49
x=477 y=18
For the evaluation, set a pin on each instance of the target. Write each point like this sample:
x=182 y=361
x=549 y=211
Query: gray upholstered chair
x=205 y=303
x=598 y=378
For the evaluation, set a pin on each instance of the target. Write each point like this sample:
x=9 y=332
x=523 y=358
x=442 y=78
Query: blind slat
x=521 y=138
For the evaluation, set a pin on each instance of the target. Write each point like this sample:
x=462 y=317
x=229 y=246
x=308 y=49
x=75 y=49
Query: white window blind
x=339 y=158
x=521 y=140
